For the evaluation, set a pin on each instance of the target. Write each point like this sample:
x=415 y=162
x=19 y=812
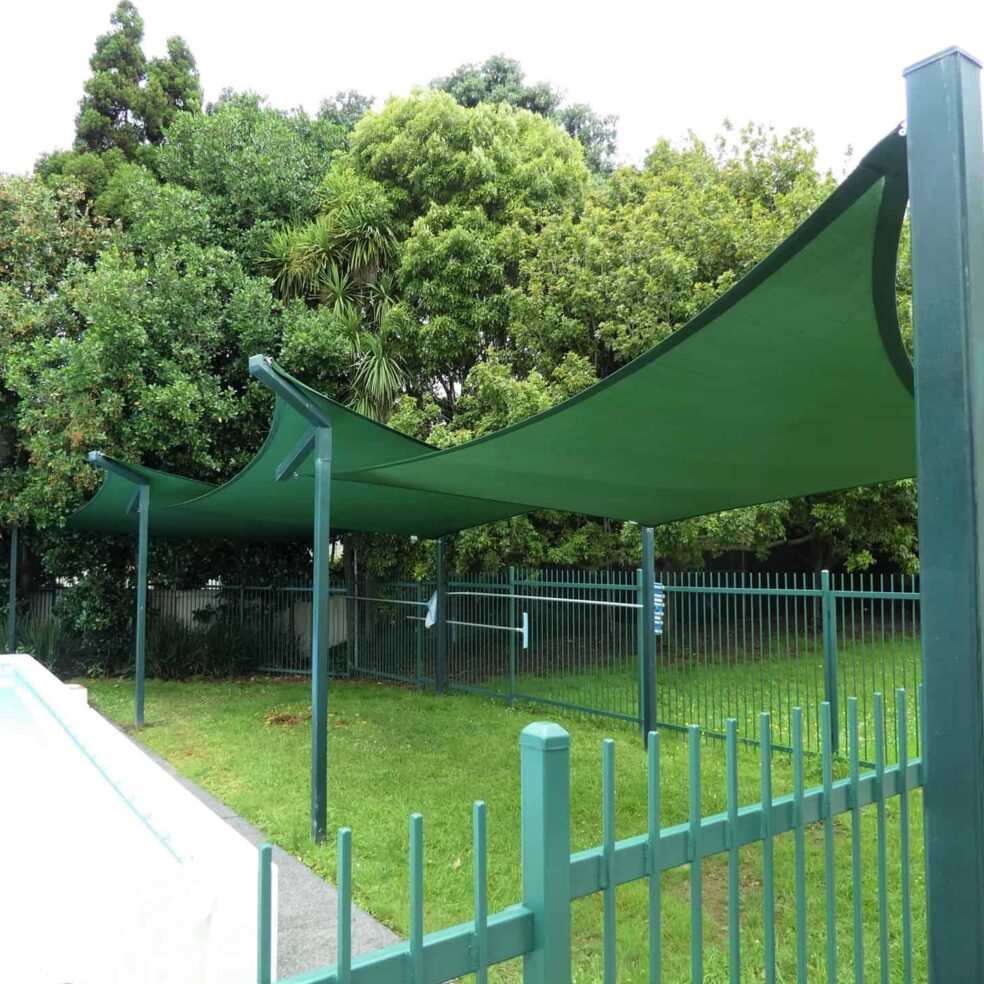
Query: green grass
x=394 y=751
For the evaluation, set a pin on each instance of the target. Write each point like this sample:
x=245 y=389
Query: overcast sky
x=661 y=67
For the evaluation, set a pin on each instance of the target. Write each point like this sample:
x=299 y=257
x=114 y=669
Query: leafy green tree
x=498 y=80
x=467 y=190
x=256 y=167
x=502 y=80
x=127 y=100
x=345 y=108
x=340 y=262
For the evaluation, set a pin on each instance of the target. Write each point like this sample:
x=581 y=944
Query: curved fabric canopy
x=794 y=381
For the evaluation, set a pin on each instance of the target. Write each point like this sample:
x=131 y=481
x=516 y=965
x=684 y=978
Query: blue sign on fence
x=659 y=603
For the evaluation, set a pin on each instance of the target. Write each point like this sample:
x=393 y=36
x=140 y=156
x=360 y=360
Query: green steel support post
x=946 y=182
x=441 y=623
x=648 y=708
x=351 y=610
x=140 y=667
x=418 y=641
x=640 y=592
x=546 y=850
x=512 y=636
x=320 y=633
x=262 y=368
x=141 y=502
x=12 y=594
x=828 y=622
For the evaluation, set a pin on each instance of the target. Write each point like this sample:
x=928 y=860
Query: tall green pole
x=648 y=709
x=946 y=181
x=320 y=633
x=140 y=667
x=12 y=594
x=441 y=623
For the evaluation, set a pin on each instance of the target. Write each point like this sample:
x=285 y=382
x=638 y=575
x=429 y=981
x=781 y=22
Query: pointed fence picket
x=538 y=928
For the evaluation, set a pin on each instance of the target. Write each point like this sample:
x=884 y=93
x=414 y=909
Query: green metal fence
x=538 y=928
x=731 y=645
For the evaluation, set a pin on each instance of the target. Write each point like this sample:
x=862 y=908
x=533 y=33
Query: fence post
x=648 y=654
x=264 y=917
x=12 y=594
x=441 y=622
x=512 y=636
x=546 y=850
x=418 y=638
x=828 y=626
x=946 y=181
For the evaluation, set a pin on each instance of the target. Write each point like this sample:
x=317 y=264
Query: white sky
x=663 y=68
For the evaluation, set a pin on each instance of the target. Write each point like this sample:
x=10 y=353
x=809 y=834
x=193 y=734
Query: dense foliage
x=450 y=263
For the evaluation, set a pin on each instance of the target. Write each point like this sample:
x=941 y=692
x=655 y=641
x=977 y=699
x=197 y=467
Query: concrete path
x=307 y=906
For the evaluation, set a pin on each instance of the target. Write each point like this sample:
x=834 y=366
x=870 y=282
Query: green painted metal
x=647 y=700
x=768 y=857
x=830 y=888
x=441 y=621
x=480 y=875
x=137 y=486
x=415 y=954
x=539 y=928
x=546 y=851
x=903 y=758
x=608 y=857
x=264 y=916
x=320 y=632
x=694 y=849
x=799 y=838
x=652 y=865
x=12 y=594
x=734 y=858
x=512 y=610
x=829 y=618
x=946 y=175
x=140 y=661
x=343 y=888
x=882 y=844
x=854 y=758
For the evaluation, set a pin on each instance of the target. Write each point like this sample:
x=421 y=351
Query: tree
x=345 y=109
x=467 y=189
x=127 y=102
x=498 y=80
x=501 y=80
x=340 y=262
x=256 y=167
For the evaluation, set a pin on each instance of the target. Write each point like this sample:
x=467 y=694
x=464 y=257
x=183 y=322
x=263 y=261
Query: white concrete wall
x=115 y=873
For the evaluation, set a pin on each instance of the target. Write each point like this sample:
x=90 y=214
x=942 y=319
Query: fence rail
x=538 y=929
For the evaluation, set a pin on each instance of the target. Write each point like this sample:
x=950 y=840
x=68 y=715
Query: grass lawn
x=393 y=751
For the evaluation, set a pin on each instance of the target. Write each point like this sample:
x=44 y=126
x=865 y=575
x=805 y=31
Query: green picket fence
x=787 y=944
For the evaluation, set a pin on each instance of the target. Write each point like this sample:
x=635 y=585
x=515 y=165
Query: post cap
x=939 y=56
x=544 y=735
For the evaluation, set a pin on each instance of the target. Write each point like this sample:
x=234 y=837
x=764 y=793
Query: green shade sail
x=794 y=381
